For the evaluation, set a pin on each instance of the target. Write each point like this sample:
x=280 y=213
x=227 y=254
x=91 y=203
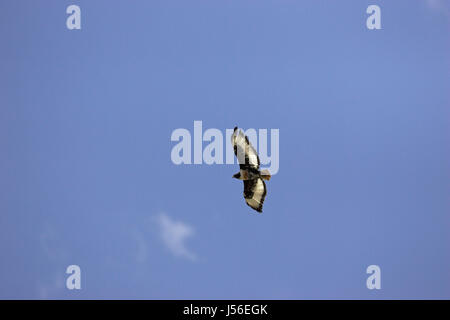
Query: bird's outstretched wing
x=244 y=151
x=254 y=193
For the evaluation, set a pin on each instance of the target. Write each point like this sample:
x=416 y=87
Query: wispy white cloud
x=174 y=234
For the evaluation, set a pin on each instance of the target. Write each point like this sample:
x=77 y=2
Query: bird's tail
x=265 y=174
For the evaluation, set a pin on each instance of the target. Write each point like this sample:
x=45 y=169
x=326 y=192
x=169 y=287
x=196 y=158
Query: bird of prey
x=254 y=187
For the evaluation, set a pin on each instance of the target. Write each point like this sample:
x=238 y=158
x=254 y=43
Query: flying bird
x=254 y=186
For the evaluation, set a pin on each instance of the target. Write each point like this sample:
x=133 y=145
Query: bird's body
x=245 y=174
x=254 y=186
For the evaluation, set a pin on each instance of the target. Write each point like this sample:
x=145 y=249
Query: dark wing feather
x=254 y=193
x=247 y=156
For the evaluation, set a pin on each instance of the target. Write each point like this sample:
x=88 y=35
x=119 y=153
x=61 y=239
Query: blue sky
x=86 y=176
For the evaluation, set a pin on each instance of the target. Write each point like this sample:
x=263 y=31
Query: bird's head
x=237 y=176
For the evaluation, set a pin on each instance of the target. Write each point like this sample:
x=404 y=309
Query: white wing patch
x=259 y=193
x=252 y=203
x=244 y=149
